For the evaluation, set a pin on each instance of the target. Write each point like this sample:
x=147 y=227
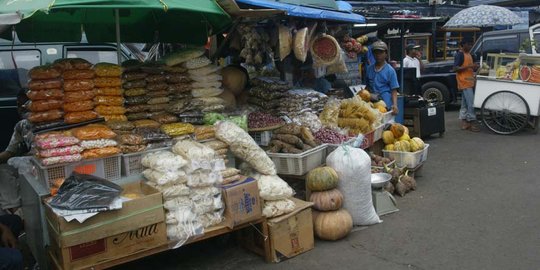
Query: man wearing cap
x=412 y=60
x=382 y=78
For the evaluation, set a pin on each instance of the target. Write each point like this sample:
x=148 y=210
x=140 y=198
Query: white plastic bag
x=271 y=188
x=353 y=167
x=165 y=177
x=163 y=161
x=192 y=150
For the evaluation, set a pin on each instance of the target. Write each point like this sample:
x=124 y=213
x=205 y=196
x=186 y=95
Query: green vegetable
x=212 y=118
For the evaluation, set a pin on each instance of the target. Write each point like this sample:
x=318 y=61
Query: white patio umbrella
x=483 y=16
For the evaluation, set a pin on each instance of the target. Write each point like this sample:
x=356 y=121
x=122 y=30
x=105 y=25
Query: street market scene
x=242 y=134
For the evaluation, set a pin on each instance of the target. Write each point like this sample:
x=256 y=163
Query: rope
x=165 y=6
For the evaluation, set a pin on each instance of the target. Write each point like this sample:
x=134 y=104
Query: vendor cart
x=509 y=98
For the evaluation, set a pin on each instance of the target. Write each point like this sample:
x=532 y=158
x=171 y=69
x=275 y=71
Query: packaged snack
x=204 y=71
x=93 y=132
x=177 y=129
x=137 y=116
x=108 y=82
x=54 y=141
x=178 y=106
x=146 y=124
x=44 y=105
x=104 y=110
x=44 y=73
x=162 y=93
x=155 y=78
x=61 y=159
x=136 y=100
x=60 y=151
x=157 y=87
x=78 y=85
x=126 y=149
x=79 y=96
x=134 y=76
x=122 y=132
x=196 y=63
x=46 y=116
x=216 y=84
x=78 y=74
x=107 y=70
x=165 y=118
x=78 y=117
x=114 y=91
x=45 y=94
x=114 y=117
x=206 y=92
x=100 y=152
x=179 y=87
x=134 y=84
x=109 y=100
x=99 y=143
x=135 y=92
x=178 y=78
x=72 y=63
x=136 y=108
x=151 y=135
x=45 y=84
x=79 y=106
x=208 y=78
x=158 y=100
x=174 y=69
x=120 y=125
x=158 y=107
x=130 y=139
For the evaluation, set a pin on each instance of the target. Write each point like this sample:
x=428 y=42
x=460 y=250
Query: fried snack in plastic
x=137 y=100
x=113 y=91
x=79 y=106
x=54 y=140
x=61 y=159
x=164 y=118
x=45 y=84
x=146 y=124
x=152 y=135
x=109 y=100
x=130 y=139
x=137 y=116
x=134 y=76
x=132 y=148
x=101 y=152
x=104 y=110
x=45 y=94
x=93 y=132
x=104 y=82
x=115 y=117
x=158 y=107
x=44 y=73
x=162 y=93
x=156 y=78
x=136 y=108
x=134 y=84
x=81 y=74
x=107 y=70
x=72 y=63
x=44 y=105
x=75 y=96
x=158 y=100
x=179 y=88
x=39 y=117
x=133 y=92
x=178 y=78
x=120 y=125
x=157 y=86
x=61 y=151
x=177 y=129
x=78 y=117
x=78 y=85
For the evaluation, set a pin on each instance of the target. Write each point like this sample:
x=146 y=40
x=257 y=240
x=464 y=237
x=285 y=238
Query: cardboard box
x=136 y=213
x=118 y=246
x=291 y=234
x=242 y=202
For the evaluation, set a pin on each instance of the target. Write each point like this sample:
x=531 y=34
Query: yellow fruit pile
x=397 y=139
x=358 y=116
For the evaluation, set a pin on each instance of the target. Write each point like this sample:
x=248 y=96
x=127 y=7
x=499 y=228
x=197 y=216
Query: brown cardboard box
x=104 y=250
x=242 y=202
x=291 y=234
x=136 y=213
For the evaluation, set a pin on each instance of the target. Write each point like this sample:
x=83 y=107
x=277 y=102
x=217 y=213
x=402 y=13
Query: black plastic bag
x=83 y=191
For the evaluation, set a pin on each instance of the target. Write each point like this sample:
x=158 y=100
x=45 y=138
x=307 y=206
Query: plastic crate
x=410 y=160
x=299 y=164
x=262 y=138
x=377 y=135
x=107 y=168
x=131 y=163
x=388 y=118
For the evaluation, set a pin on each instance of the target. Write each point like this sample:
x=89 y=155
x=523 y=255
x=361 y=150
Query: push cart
x=508 y=103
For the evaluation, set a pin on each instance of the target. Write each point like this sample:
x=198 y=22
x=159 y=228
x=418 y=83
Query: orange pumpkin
x=397 y=130
x=332 y=225
x=365 y=95
x=329 y=200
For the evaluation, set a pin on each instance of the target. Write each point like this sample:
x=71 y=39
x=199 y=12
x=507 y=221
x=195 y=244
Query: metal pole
x=401 y=68
x=118 y=46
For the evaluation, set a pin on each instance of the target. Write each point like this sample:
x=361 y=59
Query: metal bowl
x=379 y=179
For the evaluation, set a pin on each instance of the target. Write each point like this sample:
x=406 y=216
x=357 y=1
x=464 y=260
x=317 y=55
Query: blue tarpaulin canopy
x=307 y=12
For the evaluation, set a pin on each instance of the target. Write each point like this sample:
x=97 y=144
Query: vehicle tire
x=436 y=90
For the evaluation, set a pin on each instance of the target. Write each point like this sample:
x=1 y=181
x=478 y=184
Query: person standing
x=382 y=78
x=412 y=59
x=464 y=66
x=10 y=256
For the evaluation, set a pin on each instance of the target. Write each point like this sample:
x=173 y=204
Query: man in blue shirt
x=382 y=78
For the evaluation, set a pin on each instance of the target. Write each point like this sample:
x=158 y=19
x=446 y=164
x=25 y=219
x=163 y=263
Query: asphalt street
x=476 y=207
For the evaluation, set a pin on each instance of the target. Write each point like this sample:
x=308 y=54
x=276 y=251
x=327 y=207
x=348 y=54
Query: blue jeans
x=467 y=105
x=10 y=258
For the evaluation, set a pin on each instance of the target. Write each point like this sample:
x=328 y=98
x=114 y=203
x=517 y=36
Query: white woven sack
x=353 y=167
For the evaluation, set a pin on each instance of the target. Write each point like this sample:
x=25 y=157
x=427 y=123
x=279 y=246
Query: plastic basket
x=388 y=117
x=107 y=168
x=262 y=138
x=377 y=135
x=131 y=163
x=299 y=164
x=410 y=160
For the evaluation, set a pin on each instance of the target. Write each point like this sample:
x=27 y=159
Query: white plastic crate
x=299 y=164
x=388 y=117
x=377 y=135
x=131 y=163
x=410 y=160
x=262 y=138
x=107 y=168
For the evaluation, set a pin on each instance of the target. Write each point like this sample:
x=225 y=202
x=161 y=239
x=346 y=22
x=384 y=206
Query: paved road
x=476 y=207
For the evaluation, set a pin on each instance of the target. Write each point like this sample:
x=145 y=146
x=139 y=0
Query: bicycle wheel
x=505 y=112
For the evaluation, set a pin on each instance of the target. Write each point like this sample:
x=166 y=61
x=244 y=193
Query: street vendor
x=382 y=78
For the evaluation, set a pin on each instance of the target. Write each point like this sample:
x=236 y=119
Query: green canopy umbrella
x=168 y=21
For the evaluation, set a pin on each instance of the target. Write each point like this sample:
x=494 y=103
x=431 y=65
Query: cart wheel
x=505 y=112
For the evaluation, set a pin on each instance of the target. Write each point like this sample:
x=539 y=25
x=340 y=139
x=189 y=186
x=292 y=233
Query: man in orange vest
x=464 y=66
